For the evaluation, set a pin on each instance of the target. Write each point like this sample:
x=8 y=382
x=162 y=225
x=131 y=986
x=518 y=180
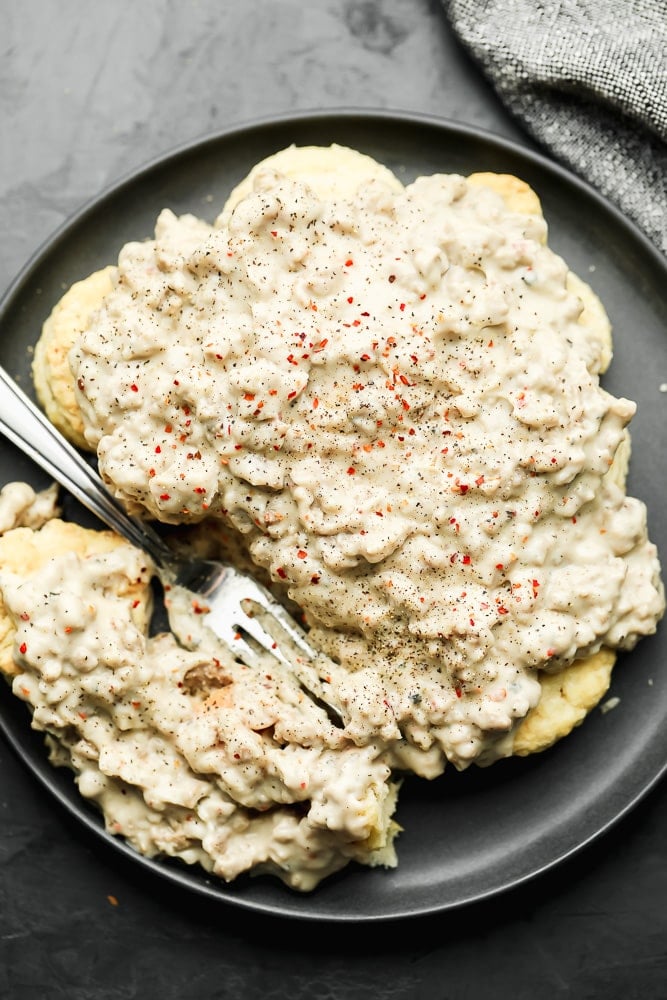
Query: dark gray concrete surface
x=89 y=91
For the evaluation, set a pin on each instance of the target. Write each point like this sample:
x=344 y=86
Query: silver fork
x=234 y=602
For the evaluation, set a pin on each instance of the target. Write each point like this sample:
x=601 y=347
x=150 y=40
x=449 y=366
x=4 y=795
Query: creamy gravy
x=188 y=753
x=392 y=399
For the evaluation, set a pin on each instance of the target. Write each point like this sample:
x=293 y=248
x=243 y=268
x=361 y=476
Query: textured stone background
x=89 y=91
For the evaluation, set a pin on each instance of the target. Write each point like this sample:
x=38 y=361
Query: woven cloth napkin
x=588 y=80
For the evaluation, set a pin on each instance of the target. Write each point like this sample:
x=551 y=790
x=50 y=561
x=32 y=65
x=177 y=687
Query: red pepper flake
x=402 y=307
x=351 y=471
x=314 y=578
x=165 y=496
x=291 y=395
x=316 y=403
x=151 y=473
x=158 y=449
x=112 y=900
x=68 y=629
x=463 y=488
x=466 y=560
x=168 y=429
x=365 y=357
x=459 y=692
x=274 y=232
x=281 y=573
x=302 y=554
x=500 y=566
x=405 y=404
x=502 y=610
x=249 y=397
x=479 y=480
x=23 y=648
x=200 y=489
x=136 y=603
x=350 y=299
x=349 y=262
x=24 y=616
x=134 y=387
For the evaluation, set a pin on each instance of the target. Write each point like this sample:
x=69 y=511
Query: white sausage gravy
x=393 y=399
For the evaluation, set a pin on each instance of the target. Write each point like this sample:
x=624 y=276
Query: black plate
x=466 y=836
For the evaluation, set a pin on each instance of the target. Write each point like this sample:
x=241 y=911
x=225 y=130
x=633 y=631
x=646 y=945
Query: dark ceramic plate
x=466 y=836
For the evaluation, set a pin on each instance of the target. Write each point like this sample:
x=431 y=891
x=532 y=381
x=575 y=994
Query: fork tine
x=251 y=590
x=241 y=649
x=239 y=589
x=226 y=590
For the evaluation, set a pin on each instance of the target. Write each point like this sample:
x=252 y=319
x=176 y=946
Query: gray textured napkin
x=588 y=80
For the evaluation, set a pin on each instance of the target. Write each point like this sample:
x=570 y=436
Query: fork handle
x=27 y=427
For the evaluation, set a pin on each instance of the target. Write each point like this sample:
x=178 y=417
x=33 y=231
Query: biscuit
x=329 y=170
x=51 y=373
x=567 y=696
x=520 y=197
x=24 y=551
